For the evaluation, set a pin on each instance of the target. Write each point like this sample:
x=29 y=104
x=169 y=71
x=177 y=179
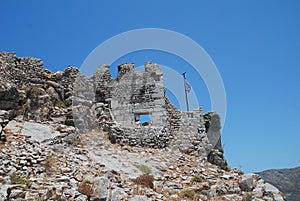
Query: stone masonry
x=133 y=94
x=116 y=105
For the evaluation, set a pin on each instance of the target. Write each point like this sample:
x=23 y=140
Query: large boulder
x=216 y=157
x=271 y=190
x=247 y=183
x=102 y=186
x=39 y=132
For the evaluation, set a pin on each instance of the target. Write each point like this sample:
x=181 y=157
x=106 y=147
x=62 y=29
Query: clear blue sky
x=254 y=44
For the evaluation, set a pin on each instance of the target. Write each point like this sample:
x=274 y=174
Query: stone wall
x=29 y=89
x=131 y=94
x=20 y=70
x=134 y=93
x=115 y=105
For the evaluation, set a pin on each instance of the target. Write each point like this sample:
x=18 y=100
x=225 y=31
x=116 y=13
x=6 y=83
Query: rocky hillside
x=286 y=180
x=44 y=156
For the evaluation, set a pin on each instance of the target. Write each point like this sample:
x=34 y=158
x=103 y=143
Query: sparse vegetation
x=197 y=178
x=221 y=149
x=145 y=180
x=85 y=182
x=26 y=105
x=58 y=128
x=2 y=181
x=19 y=178
x=144 y=169
x=86 y=188
x=49 y=164
x=142 y=90
x=248 y=197
x=188 y=193
x=61 y=104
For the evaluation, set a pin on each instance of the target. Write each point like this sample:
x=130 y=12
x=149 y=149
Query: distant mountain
x=286 y=180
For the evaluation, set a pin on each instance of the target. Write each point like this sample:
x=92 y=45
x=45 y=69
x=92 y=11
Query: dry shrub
x=197 y=178
x=49 y=164
x=145 y=180
x=85 y=188
x=3 y=181
x=188 y=193
x=19 y=178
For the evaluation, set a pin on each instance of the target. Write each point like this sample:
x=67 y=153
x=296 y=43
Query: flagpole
x=186 y=96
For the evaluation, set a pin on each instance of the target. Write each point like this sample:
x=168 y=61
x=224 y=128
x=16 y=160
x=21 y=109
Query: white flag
x=187 y=87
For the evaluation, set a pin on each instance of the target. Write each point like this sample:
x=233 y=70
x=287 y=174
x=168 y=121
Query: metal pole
x=186 y=96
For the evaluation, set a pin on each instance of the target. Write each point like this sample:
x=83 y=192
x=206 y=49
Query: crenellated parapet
x=123 y=69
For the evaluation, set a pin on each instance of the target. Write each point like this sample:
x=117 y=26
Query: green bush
x=142 y=90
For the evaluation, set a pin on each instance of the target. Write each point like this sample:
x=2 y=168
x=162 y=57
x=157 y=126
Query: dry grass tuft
x=145 y=180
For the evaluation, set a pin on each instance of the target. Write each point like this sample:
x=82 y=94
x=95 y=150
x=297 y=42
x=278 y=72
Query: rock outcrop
x=63 y=136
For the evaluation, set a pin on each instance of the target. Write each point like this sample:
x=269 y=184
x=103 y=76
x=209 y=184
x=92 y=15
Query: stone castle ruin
x=67 y=136
x=117 y=106
x=134 y=94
